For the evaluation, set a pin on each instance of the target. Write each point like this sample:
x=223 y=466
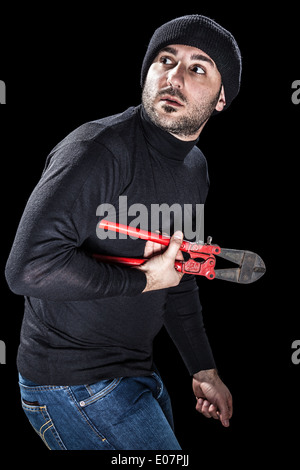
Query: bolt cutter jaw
x=251 y=266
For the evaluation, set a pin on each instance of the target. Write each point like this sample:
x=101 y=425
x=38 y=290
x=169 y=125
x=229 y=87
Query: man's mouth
x=171 y=101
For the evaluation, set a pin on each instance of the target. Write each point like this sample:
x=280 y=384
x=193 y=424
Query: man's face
x=182 y=89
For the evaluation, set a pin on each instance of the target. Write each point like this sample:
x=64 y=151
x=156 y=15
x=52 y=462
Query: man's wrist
x=150 y=283
x=206 y=375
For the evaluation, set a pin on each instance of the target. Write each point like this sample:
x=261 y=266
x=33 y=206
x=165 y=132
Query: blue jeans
x=129 y=413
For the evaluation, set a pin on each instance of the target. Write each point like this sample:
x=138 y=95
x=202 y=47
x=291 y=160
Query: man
x=87 y=376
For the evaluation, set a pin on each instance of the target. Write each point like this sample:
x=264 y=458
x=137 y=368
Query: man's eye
x=166 y=60
x=199 y=70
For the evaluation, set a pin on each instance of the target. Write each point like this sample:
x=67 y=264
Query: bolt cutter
x=201 y=260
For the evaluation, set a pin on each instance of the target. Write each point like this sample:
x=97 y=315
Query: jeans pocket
x=42 y=423
x=95 y=394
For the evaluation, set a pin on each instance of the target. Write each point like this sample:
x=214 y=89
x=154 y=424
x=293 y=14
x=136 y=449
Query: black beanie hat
x=207 y=35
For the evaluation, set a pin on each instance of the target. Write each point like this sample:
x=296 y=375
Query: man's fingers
x=213 y=411
x=152 y=248
x=205 y=409
x=208 y=409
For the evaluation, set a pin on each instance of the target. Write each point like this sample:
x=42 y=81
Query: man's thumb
x=174 y=246
x=224 y=417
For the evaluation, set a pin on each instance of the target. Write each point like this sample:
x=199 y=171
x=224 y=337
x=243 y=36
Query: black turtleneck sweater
x=85 y=320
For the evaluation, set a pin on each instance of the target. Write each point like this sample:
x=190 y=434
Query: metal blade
x=251 y=266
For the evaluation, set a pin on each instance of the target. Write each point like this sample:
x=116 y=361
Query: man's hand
x=214 y=400
x=160 y=271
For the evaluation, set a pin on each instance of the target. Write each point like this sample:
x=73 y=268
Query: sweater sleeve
x=184 y=323
x=47 y=260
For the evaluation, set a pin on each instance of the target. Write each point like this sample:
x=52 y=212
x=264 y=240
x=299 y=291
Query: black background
x=63 y=67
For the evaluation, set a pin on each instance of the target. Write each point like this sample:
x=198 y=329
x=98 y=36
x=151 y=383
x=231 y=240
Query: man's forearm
x=73 y=276
x=184 y=323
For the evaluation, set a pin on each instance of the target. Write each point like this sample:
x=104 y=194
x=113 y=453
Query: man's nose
x=175 y=76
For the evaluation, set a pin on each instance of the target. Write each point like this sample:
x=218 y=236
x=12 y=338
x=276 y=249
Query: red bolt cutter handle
x=196 y=250
x=205 y=268
x=120 y=260
x=188 y=247
x=138 y=233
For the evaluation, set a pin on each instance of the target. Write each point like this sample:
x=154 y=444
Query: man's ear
x=222 y=101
